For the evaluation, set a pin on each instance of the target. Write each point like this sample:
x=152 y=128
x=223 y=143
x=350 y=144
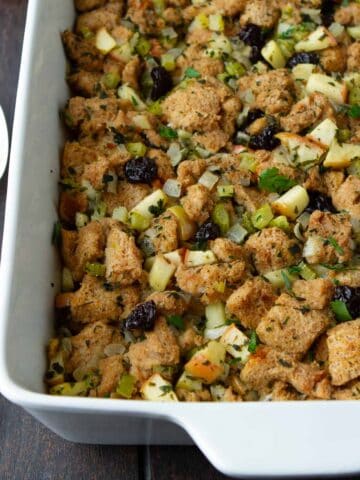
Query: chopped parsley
x=167 y=132
x=158 y=209
x=331 y=241
x=165 y=389
x=354 y=111
x=192 y=73
x=176 y=321
x=272 y=181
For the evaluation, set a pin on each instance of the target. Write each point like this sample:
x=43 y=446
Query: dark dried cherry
x=252 y=35
x=327 y=11
x=351 y=297
x=142 y=317
x=319 y=201
x=265 y=140
x=208 y=231
x=140 y=170
x=162 y=82
x=303 y=57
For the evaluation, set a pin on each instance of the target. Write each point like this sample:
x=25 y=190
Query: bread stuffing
x=209 y=209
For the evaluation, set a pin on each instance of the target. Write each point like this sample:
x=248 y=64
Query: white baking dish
x=243 y=439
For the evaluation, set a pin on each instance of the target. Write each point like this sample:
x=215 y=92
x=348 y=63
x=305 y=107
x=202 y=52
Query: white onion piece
x=298 y=232
x=208 y=179
x=114 y=349
x=336 y=29
x=237 y=233
x=215 y=333
x=174 y=153
x=313 y=247
x=172 y=188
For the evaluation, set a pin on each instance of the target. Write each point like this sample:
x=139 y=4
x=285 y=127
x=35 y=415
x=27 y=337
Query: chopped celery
x=354 y=168
x=225 y=191
x=262 y=217
x=72 y=389
x=287 y=47
x=86 y=33
x=99 y=211
x=221 y=217
x=126 y=386
x=280 y=222
x=168 y=61
x=136 y=149
x=142 y=47
x=340 y=309
x=247 y=161
x=155 y=108
x=95 y=269
x=187 y=382
x=235 y=69
x=247 y=223
x=354 y=95
x=67 y=282
x=138 y=221
x=306 y=272
x=111 y=79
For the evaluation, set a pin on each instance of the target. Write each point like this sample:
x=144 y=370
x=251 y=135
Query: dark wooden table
x=28 y=451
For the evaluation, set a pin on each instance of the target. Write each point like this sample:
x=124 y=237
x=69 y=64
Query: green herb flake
x=286 y=280
x=354 y=111
x=331 y=241
x=340 y=309
x=165 y=389
x=167 y=132
x=272 y=181
x=253 y=342
x=176 y=321
x=158 y=209
x=192 y=73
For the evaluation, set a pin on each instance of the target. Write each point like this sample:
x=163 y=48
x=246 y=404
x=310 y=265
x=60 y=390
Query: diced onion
x=215 y=333
x=336 y=29
x=208 y=179
x=172 y=188
x=237 y=233
x=313 y=247
x=120 y=214
x=174 y=153
x=114 y=349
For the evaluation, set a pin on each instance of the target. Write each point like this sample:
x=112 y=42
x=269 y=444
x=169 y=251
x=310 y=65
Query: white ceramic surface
x=4 y=143
x=244 y=439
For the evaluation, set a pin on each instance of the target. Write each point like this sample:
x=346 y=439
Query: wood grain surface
x=28 y=451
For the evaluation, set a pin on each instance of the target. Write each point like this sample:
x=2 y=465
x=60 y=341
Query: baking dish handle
x=273 y=440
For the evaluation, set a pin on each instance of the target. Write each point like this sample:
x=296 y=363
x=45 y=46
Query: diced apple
x=304 y=152
x=104 y=41
x=161 y=273
x=331 y=88
x=187 y=228
x=175 y=257
x=277 y=277
x=292 y=203
x=186 y=382
x=127 y=93
x=215 y=315
x=235 y=341
x=273 y=54
x=155 y=200
x=324 y=133
x=195 y=258
x=157 y=389
x=341 y=156
x=207 y=364
x=302 y=71
x=354 y=32
x=319 y=39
